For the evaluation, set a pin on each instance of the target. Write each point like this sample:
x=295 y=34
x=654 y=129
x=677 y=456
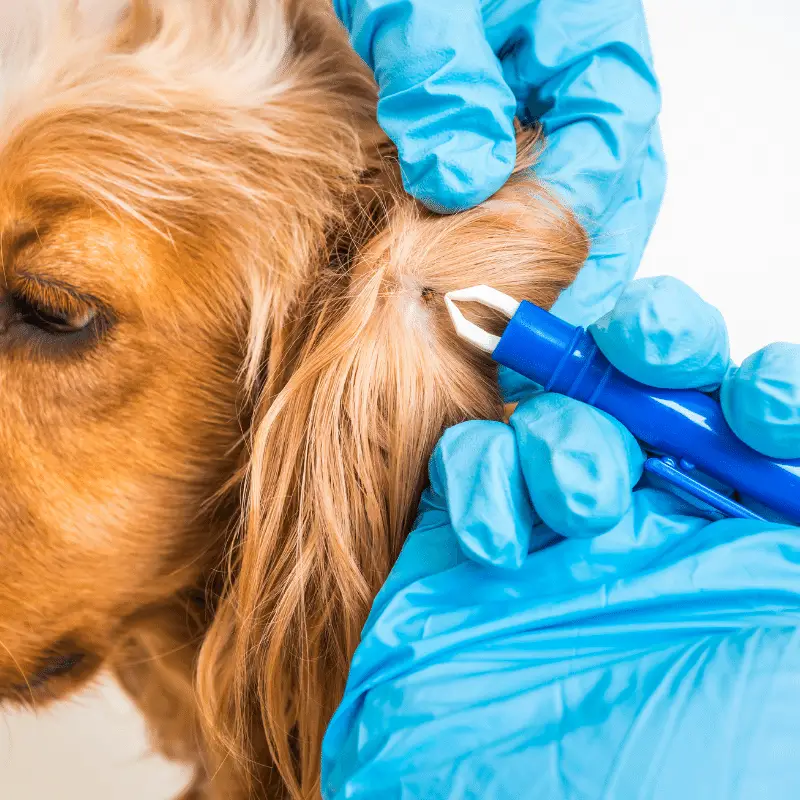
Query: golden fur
x=205 y=493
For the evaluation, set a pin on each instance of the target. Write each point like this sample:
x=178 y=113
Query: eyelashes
x=51 y=318
x=56 y=666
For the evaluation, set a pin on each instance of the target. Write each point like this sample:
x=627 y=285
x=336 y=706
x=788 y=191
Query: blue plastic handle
x=698 y=493
x=684 y=424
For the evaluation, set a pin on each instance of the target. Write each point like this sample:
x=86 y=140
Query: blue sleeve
x=661 y=660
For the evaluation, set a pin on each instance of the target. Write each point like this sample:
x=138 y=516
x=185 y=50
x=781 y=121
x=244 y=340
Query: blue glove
x=453 y=74
x=660 y=659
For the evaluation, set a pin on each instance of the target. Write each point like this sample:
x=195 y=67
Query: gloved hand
x=582 y=465
x=660 y=659
x=453 y=74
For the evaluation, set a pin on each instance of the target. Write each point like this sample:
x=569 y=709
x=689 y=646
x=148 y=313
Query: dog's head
x=164 y=192
x=221 y=326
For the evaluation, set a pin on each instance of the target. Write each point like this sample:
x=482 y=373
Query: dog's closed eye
x=52 y=665
x=50 y=317
x=52 y=320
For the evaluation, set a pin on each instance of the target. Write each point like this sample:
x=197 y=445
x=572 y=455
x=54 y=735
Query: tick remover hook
x=686 y=427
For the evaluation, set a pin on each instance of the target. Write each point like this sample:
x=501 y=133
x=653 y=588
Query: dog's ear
x=339 y=454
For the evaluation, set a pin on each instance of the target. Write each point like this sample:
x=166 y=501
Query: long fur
x=240 y=137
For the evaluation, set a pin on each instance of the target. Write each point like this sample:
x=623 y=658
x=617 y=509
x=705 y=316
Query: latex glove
x=660 y=659
x=453 y=74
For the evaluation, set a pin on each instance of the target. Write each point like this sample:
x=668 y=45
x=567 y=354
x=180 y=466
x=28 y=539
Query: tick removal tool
x=685 y=427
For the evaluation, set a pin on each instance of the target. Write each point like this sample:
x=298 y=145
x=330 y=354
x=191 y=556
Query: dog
x=225 y=362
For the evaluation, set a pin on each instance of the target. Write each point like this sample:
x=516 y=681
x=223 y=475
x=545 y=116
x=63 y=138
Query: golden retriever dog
x=225 y=361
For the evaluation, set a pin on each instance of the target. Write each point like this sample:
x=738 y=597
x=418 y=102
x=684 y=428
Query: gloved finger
x=663 y=334
x=476 y=470
x=443 y=99
x=585 y=71
x=515 y=387
x=761 y=400
x=580 y=465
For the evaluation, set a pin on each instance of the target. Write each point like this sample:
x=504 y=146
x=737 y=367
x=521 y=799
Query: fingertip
x=761 y=400
x=443 y=100
x=477 y=471
x=459 y=172
x=662 y=333
x=579 y=464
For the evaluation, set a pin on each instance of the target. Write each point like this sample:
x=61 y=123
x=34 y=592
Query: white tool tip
x=486 y=296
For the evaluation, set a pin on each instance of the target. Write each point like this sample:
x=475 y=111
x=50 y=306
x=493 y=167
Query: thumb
x=663 y=334
x=443 y=99
x=476 y=471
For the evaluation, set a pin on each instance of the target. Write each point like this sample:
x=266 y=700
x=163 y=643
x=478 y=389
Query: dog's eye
x=71 y=318
x=51 y=318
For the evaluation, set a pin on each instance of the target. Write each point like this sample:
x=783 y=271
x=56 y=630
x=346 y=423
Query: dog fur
x=207 y=484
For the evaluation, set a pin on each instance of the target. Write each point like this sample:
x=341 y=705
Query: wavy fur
x=236 y=141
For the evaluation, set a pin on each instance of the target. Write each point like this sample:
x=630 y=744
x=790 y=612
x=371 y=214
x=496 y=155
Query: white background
x=731 y=216
x=729 y=227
